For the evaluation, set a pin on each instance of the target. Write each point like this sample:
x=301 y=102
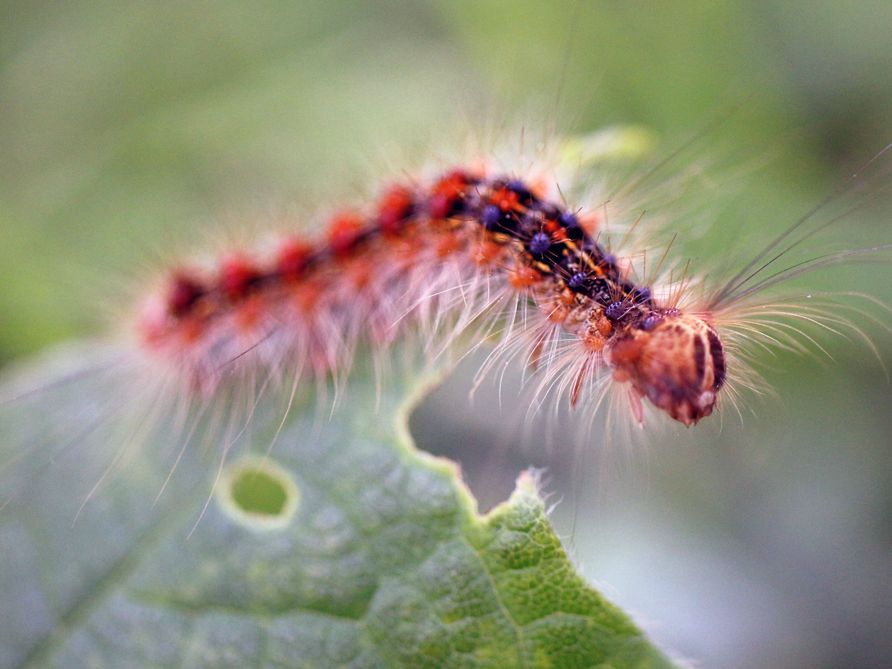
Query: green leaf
x=349 y=549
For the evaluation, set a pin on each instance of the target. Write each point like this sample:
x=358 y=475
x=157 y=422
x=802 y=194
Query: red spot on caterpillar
x=182 y=293
x=394 y=207
x=447 y=194
x=555 y=230
x=506 y=200
x=292 y=258
x=343 y=232
x=237 y=276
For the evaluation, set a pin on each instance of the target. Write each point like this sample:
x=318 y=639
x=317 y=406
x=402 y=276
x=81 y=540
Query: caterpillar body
x=491 y=251
x=423 y=250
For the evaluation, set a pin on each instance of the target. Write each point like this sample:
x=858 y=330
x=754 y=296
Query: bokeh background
x=126 y=127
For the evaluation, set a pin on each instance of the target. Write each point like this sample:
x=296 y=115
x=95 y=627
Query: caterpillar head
x=678 y=364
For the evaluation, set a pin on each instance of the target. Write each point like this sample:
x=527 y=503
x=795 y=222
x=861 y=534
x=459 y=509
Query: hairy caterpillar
x=463 y=255
x=476 y=248
x=493 y=239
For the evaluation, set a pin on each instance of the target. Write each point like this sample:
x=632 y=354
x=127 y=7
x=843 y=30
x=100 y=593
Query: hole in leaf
x=255 y=491
x=259 y=492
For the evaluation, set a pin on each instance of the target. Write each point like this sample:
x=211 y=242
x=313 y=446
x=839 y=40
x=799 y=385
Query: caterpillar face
x=678 y=365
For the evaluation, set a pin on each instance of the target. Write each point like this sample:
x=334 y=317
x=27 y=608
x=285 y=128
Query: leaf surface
x=385 y=561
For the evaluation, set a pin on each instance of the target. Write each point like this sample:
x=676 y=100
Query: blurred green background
x=128 y=127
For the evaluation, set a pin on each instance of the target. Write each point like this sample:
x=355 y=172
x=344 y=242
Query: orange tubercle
x=292 y=258
x=237 y=274
x=394 y=207
x=343 y=231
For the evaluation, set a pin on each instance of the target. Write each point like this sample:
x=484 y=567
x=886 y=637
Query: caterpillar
x=502 y=236
x=464 y=256
x=475 y=248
